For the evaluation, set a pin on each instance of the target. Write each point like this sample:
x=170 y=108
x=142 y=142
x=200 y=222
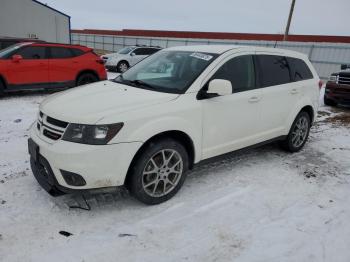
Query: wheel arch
x=306 y=107
x=123 y=60
x=309 y=109
x=177 y=135
x=86 y=71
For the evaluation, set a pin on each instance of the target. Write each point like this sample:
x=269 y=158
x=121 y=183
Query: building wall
x=325 y=56
x=29 y=19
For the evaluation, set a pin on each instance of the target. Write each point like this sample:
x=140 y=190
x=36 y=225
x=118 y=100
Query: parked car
x=147 y=127
x=338 y=88
x=8 y=41
x=47 y=65
x=127 y=57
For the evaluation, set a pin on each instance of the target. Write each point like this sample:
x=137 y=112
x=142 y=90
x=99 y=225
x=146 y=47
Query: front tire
x=122 y=66
x=298 y=133
x=159 y=171
x=86 y=78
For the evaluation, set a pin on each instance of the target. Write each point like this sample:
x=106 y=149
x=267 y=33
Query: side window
x=76 y=51
x=274 y=70
x=151 y=51
x=239 y=71
x=32 y=52
x=141 y=51
x=300 y=70
x=60 y=53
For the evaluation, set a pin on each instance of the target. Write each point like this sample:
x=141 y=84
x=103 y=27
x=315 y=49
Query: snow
x=260 y=205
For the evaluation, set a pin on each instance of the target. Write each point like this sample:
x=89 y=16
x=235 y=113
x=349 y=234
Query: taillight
x=100 y=61
x=320 y=84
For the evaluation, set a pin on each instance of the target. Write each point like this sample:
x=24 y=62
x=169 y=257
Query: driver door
x=137 y=55
x=32 y=70
x=231 y=122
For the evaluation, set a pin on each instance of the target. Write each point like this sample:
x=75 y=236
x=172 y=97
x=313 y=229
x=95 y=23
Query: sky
x=316 y=17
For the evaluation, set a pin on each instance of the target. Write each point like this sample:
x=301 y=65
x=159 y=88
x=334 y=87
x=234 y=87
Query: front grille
x=51 y=128
x=340 y=90
x=56 y=122
x=51 y=135
x=344 y=79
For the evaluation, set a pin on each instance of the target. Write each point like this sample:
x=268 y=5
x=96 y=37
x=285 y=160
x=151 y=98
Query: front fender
x=169 y=123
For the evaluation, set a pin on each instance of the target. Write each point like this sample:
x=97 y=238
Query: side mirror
x=344 y=67
x=132 y=54
x=17 y=58
x=220 y=86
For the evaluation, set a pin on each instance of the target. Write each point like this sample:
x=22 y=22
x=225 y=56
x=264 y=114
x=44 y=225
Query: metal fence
x=326 y=57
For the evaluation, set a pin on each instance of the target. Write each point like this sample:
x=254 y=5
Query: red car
x=47 y=65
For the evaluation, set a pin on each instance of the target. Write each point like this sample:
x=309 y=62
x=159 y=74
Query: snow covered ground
x=261 y=205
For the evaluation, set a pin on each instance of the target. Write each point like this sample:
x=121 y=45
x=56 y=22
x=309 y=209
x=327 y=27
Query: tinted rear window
x=60 y=52
x=76 y=51
x=300 y=70
x=274 y=70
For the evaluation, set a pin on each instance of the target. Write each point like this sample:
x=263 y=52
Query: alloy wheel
x=300 y=131
x=162 y=172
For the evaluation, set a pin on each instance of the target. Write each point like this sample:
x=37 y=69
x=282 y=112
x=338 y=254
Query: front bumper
x=338 y=93
x=100 y=166
x=111 y=68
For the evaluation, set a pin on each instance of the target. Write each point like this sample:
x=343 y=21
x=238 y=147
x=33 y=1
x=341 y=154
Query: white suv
x=182 y=105
x=127 y=57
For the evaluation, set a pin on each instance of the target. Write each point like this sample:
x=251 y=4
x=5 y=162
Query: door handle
x=294 y=91
x=254 y=99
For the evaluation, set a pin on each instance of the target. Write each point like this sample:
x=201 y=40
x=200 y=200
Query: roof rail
x=148 y=46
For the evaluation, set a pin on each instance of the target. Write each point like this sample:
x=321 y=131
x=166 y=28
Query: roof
x=214 y=49
x=219 y=49
x=49 y=7
x=217 y=35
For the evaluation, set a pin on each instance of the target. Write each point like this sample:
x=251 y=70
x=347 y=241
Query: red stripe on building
x=214 y=35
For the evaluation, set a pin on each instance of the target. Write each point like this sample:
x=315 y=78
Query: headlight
x=333 y=78
x=91 y=134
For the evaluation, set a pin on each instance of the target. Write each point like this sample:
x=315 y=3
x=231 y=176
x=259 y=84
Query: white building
x=33 y=19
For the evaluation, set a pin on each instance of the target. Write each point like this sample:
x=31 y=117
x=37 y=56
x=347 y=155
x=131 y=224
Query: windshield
x=167 y=71
x=7 y=51
x=125 y=50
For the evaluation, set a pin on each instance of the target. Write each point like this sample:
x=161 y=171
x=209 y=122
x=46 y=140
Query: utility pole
x=289 y=20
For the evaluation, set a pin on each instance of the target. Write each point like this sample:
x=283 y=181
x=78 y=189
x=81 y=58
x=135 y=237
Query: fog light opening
x=73 y=179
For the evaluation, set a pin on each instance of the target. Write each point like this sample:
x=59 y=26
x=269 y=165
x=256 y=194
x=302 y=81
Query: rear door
x=63 y=66
x=32 y=70
x=279 y=94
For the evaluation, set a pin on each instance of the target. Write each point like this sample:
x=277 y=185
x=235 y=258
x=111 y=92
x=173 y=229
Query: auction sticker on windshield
x=201 y=56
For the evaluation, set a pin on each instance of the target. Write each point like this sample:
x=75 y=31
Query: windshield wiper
x=140 y=83
x=134 y=83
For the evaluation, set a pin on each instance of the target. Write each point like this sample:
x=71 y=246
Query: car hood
x=91 y=103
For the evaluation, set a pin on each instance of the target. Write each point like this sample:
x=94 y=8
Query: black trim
x=216 y=158
x=56 y=122
x=38 y=86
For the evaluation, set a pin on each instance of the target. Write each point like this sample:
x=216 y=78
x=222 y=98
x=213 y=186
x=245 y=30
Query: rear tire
x=86 y=78
x=122 y=66
x=329 y=102
x=159 y=171
x=298 y=133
